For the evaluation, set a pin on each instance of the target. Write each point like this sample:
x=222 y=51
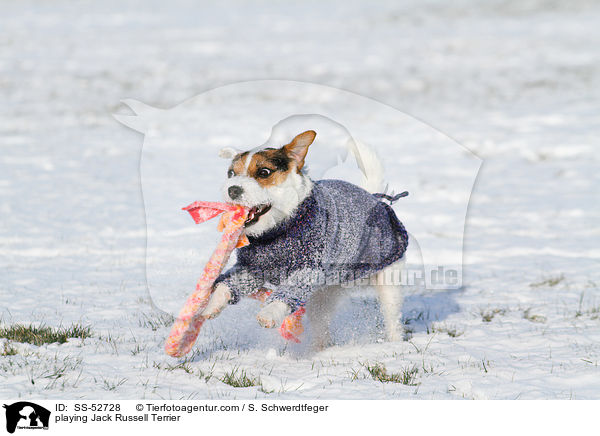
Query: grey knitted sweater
x=339 y=233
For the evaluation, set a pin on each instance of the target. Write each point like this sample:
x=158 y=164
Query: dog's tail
x=370 y=165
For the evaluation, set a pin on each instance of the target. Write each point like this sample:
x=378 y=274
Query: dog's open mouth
x=256 y=212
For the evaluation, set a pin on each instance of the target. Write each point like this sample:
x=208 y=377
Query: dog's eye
x=263 y=173
x=230 y=173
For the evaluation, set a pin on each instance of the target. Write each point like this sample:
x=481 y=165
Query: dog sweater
x=339 y=233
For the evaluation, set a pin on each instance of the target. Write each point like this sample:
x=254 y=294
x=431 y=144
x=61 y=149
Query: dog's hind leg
x=320 y=309
x=389 y=291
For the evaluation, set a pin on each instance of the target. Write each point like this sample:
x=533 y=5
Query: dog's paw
x=218 y=301
x=273 y=314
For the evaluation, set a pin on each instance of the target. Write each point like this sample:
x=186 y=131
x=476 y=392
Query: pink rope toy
x=187 y=326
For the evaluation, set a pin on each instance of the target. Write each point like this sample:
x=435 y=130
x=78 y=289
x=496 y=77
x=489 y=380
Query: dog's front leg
x=218 y=300
x=273 y=314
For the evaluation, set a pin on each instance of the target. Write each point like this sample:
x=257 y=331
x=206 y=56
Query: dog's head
x=269 y=181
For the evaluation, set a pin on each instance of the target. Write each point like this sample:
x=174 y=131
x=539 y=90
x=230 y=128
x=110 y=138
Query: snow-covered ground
x=518 y=83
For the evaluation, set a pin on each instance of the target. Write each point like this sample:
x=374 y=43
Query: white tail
x=369 y=163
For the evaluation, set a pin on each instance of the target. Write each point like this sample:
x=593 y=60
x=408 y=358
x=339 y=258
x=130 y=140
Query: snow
x=516 y=83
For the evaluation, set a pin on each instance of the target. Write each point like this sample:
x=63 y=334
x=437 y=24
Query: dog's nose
x=235 y=191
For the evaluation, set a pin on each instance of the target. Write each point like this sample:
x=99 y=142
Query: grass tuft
x=488 y=315
x=43 y=334
x=551 y=281
x=532 y=317
x=453 y=332
x=185 y=366
x=407 y=376
x=112 y=385
x=8 y=349
x=156 y=321
x=593 y=312
x=239 y=379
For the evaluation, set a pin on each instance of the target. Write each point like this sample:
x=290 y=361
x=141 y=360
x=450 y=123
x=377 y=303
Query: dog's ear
x=228 y=152
x=298 y=148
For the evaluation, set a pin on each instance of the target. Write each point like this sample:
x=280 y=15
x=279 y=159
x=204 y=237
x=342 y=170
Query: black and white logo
x=26 y=415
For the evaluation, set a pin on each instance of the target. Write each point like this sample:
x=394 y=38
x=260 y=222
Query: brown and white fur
x=271 y=182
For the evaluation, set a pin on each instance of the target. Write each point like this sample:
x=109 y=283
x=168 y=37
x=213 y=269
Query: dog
x=308 y=239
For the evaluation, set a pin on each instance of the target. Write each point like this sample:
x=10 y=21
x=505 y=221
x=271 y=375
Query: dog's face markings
x=276 y=162
x=269 y=181
x=269 y=167
x=238 y=165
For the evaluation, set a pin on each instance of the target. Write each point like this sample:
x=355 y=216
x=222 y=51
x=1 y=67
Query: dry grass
x=550 y=282
x=43 y=334
x=239 y=379
x=532 y=317
x=407 y=376
x=8 y=349
x=453 y=332
x=488 y=315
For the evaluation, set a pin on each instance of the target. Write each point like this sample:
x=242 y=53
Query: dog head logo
x=26 y=415
x=309 y=129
